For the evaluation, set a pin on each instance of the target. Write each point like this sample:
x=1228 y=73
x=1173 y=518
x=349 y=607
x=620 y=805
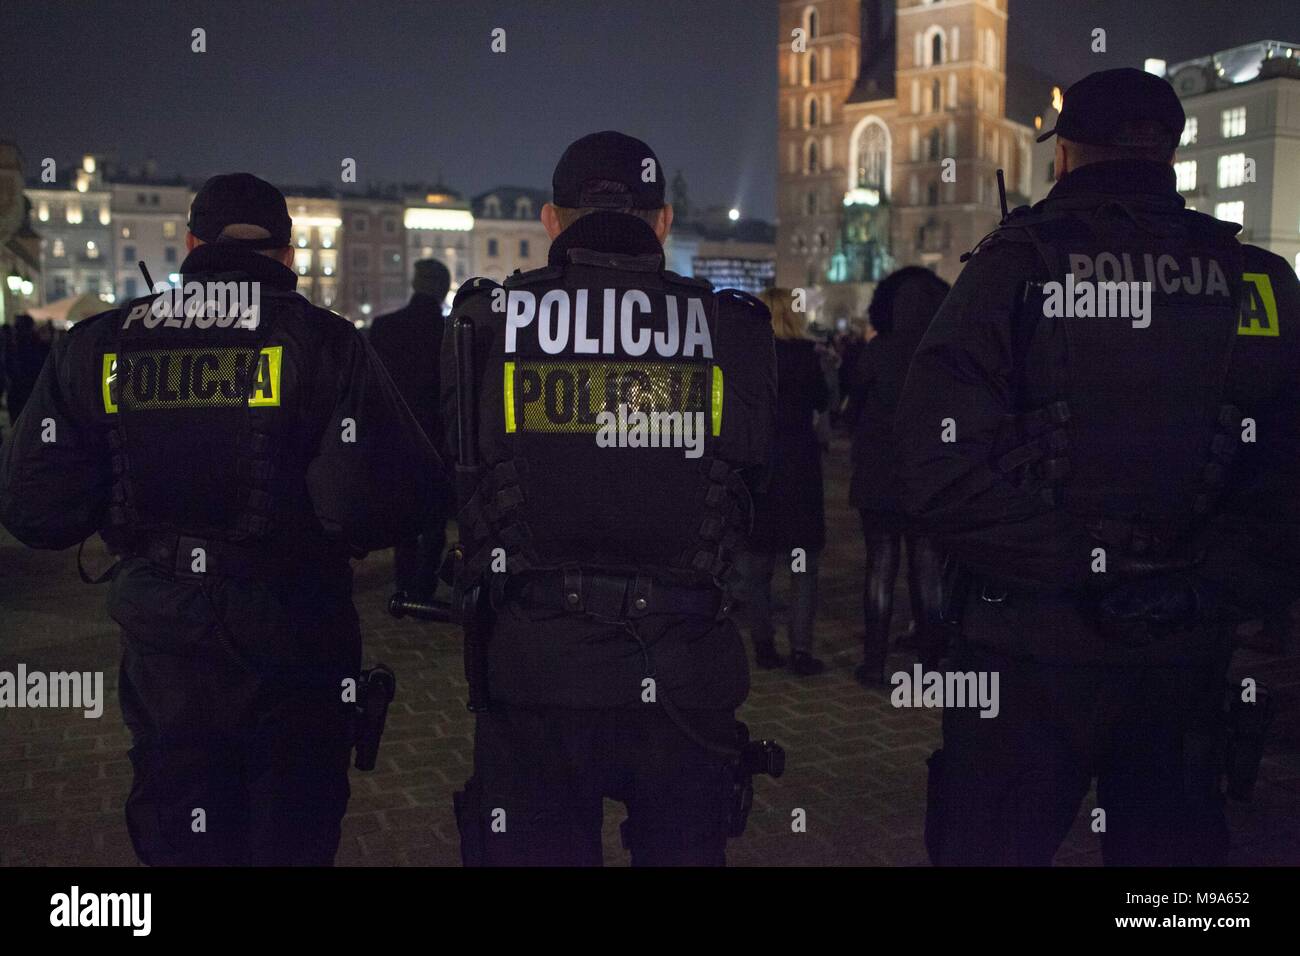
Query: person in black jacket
x=24 y=357
x=409 y=341
x=1103 y=425
x=901 y=309
x=789 y=516
x=235 y=445
x=611 y=668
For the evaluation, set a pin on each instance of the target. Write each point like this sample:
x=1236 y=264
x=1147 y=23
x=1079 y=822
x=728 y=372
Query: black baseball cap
x=1096 y=109
x=608 y=156
x=240 y=198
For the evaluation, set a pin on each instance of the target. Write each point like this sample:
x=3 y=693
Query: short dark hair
x=605 y=187
x=881 y=311
x=1137 y=139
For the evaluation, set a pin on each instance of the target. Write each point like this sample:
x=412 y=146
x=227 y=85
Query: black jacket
x=409 y=341
x=875 y=385
x=354 y=496
x=963 y=370
x=790 y=512
x=543 y=656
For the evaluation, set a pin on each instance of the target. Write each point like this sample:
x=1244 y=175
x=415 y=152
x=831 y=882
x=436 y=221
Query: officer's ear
x=191 y=241
x=284 y=256
x=551 y=220
x=664 y=223
x=1062 y=160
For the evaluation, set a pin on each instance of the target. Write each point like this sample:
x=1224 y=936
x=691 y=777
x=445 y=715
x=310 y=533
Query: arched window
x=811 y=76
x=492 y=208
x=932 y=145
x=936 y=49
x=822 y=242
x=812 y=165
x=869 y=153
x=936 y=95
x=810 y=22
x=812 y=112
x=810 y=203
x=523 y=208
x=932 y=194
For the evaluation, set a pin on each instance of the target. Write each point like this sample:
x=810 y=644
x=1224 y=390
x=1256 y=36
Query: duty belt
x=613 y=595
x=179 y=554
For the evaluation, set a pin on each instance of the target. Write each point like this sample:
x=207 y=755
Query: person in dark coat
x=900 y=312
x=409 y=342
x=24 y=357
x=789 y=518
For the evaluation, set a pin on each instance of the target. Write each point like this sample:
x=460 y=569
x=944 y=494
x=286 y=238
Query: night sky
x=412 y=91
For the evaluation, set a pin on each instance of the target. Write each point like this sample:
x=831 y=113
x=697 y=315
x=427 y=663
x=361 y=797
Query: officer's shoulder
x=97 y=321
x=689 y=282
x=1260 y=260
x=1015 y=232
x=531 y=277
x=473 y=288
x=742 y=303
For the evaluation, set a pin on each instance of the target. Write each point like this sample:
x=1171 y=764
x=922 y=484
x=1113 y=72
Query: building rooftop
x=1261 y=60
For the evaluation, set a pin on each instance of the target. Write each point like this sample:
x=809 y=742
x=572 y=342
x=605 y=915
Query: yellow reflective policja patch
x=1258 y=312
x=157 y=380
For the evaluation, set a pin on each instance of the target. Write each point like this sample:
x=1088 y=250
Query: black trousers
x=416 y=562
x=232 y=766
x=884 y=539
x=540 y=774
x=1006 y=790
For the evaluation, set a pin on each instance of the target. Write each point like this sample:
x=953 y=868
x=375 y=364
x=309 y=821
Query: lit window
x=169 y=229
x=1186 y=173
x=43 y=211
x=328 y=262
x=302 y=237
x=58 y=248
x=302 y=261
x=126 y=232
x=1189 y=132
x=1234 y=122
x=104 y=215
x=92 y=250
x=327 y=237
x=74 y=212
x=1232 y=170
x=1231 y=212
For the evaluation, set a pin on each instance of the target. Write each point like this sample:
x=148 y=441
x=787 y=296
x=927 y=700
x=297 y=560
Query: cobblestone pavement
x=856 y=765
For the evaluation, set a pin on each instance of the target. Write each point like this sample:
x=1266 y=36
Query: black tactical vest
x=199 y=411
x=1124 y=420
x=600 y=372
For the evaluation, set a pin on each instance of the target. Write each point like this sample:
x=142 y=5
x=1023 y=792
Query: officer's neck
x=1119 y=176
x=213 y=258
x=606 y=232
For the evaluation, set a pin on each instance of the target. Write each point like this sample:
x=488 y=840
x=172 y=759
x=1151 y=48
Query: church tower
x=951 y=133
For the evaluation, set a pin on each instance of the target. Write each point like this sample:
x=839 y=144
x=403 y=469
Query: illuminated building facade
x=74 y=216
x=149 y=223
x=892 y=122
x=508 y=231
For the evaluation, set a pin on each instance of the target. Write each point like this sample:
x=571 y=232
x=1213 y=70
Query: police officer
x=1102 y=424
x=409 y=343
x=612 y=670
x=235 y=445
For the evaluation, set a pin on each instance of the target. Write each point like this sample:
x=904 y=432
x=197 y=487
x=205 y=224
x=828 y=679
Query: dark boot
x=805 y=665
x=766 y=657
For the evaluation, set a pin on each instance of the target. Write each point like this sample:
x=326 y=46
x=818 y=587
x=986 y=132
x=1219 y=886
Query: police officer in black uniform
x=235 y=446
x=612 y=670
x=1118 y=480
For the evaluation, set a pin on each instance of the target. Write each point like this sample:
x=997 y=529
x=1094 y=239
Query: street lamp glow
x=734 y=215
